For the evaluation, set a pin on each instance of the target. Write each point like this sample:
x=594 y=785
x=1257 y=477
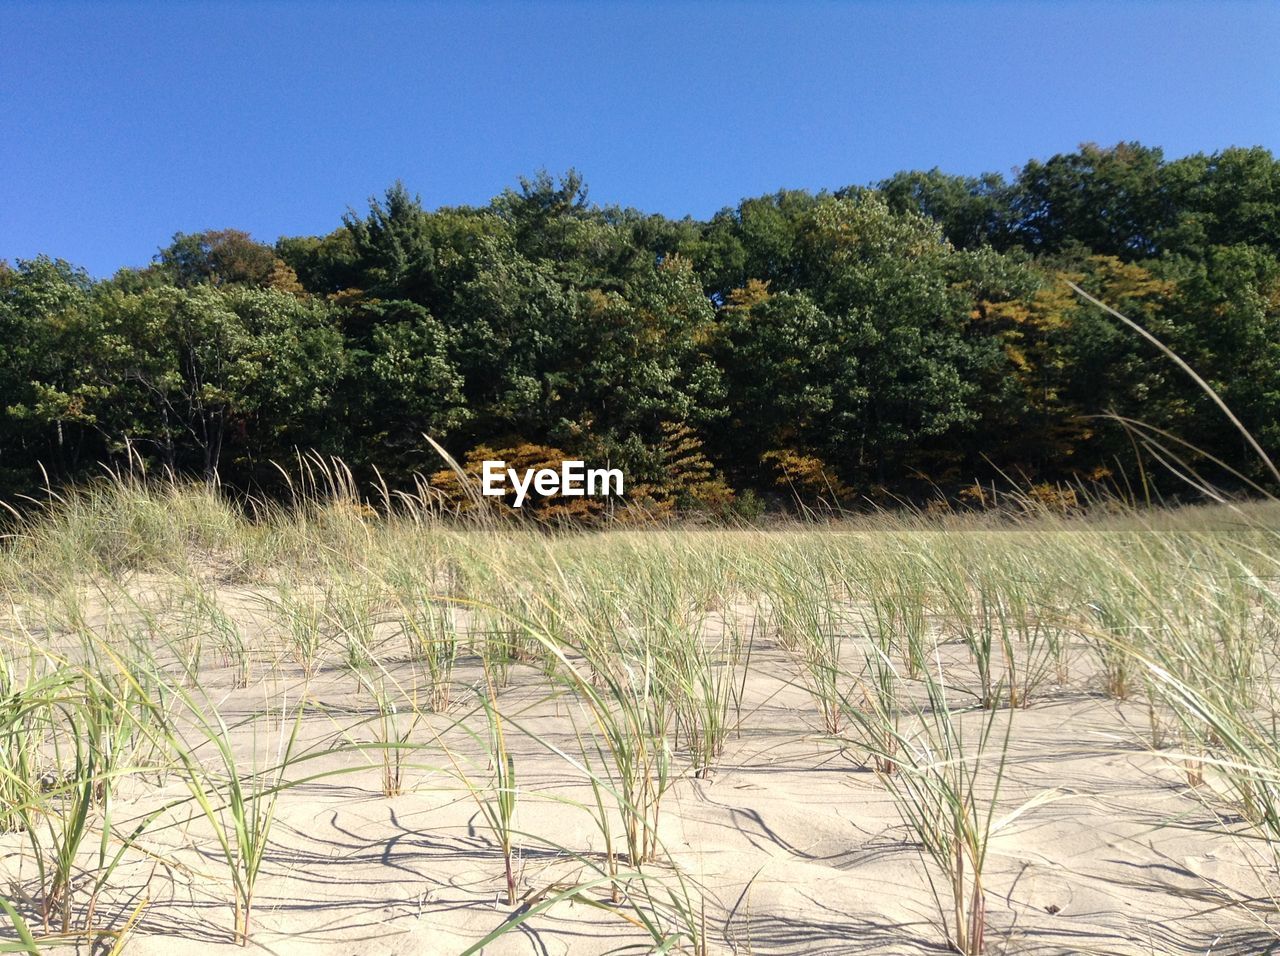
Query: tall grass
x=239 y=804
x=915 y=642
x=947 y=788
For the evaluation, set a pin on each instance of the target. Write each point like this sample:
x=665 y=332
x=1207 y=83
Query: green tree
x=217 y=257
x=1229 y=198
x=391 y=247
x=43 y=339
x=192 y=372
x=1109 y=200
x=972 y=211
x=401 y=383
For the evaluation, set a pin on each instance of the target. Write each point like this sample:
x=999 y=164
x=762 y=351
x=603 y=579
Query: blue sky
x=121 y=124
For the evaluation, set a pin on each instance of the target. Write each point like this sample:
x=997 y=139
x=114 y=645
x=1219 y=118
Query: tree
x=790 y=380
x=1223 y=317
x=902 y=339
x=972 y=211
x=43 y=339
x=391 y=248
x=680 y=478
x=324 y=265
x=757 y=240
x=1229 y=198
x=189 y=372
x=401 y=383
x=514 y=324
x=218 y=257
x=882 y=278
x=1109 y=200
x=542 y=213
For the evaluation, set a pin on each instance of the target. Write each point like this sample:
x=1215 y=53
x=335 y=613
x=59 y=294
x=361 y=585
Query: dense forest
x=902 y=341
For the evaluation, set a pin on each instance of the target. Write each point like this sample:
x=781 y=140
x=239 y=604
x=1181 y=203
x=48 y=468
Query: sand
x=796 y=845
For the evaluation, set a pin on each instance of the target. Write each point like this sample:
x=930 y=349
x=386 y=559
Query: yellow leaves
x=1008 y=313
x=1018 y=359
x=806 y=476
x=747 y=297
x=347 y=297
x=1128 y=281
x=1052 y=306
x=597 y=302
x=284 y=279
x=1056 y=498
x=1045 y=311
x=688 y=477
x=676 y=263
x=522 y=456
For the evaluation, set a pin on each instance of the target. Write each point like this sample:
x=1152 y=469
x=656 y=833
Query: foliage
x=462 y=491
x=913 y=338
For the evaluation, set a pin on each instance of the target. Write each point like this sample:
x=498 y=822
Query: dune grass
x=916 y=642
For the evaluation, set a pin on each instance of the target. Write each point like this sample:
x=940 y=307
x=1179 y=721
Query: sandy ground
x=797 y=847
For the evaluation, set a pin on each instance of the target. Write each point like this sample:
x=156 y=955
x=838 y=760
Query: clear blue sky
x=121 y=124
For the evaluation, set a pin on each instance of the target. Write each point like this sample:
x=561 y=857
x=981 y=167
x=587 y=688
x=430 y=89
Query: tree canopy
x=906 y=339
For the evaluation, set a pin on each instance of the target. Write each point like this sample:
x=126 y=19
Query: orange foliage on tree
x=807 y=477
x=687 y=480
x=520 y=457
x=747 y=297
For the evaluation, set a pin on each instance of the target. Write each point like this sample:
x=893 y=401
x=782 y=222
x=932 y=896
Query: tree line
x=905 y=340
